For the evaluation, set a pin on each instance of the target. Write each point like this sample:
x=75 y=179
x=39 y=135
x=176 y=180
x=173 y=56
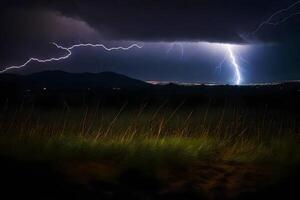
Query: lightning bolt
x=284 y=19
x=270 y=21
x=181 y=48
x=234 y=64
x=69 y=53
x=231 y=58
x=220 y=66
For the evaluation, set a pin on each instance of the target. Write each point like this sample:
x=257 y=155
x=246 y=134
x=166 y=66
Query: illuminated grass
x=151 y=138
x=152 y=152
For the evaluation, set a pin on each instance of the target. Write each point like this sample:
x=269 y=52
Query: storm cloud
x=172 y=20
x=28 y=27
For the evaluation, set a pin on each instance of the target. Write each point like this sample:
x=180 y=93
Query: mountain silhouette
x=65 y=80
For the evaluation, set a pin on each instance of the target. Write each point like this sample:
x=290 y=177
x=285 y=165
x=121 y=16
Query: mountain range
x=65 y=80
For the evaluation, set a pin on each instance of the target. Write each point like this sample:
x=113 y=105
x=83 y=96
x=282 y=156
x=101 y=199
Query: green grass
x=152 y=151
x=151 y=138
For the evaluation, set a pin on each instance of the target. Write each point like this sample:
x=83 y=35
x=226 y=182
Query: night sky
x=183 y=40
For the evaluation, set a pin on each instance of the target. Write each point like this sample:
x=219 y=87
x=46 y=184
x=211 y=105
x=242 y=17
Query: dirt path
x=218 y=180
x=95 y=180
x=207 y=180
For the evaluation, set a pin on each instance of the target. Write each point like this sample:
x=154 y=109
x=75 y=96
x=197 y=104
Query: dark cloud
x=27 y=27
x=28 y=31
x=175 y=20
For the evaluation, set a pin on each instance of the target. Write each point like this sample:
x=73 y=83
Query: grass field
x=101 y=143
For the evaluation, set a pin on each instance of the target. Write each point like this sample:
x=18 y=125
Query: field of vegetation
x=207 y=150
x=217 y=148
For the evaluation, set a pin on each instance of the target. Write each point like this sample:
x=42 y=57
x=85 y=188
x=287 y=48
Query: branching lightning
x=181 y=48
x=69 y=53
x=234 y=64
x=219 y=67
x=277 y=18
x=231 y=58
x=270 y=21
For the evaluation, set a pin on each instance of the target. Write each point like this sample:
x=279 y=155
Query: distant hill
x=52 y=88
x=60 y=80
x=65 y=80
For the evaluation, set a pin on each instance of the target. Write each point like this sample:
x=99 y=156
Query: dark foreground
x=31 y=180
x=107 y=136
